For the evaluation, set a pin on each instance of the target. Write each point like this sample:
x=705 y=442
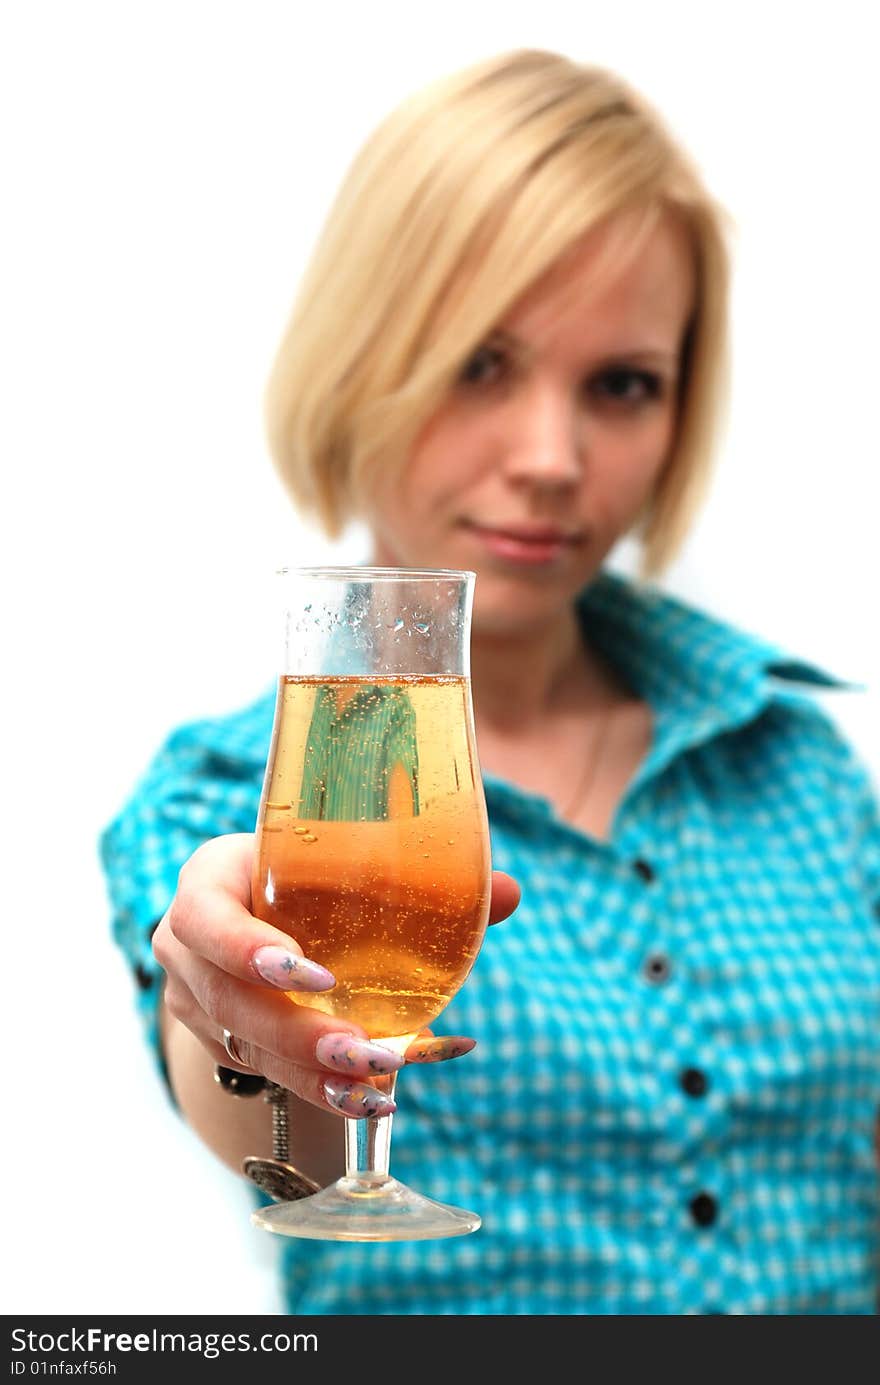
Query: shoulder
x=201 y=767
x=809 y=733
x=711 y=683
x=647 y=625
x=237 y=740
x=795 y=759
x=204 y=781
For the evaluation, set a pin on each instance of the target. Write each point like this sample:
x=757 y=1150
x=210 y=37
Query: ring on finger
x=230 y=1043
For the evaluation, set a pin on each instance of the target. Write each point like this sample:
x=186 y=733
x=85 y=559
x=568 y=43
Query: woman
x=506 y=355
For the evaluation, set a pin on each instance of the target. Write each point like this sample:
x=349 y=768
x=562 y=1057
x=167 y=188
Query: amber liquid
x=373 y=844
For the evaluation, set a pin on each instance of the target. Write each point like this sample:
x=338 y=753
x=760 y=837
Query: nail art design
x=356 y=1099
x=346 y=1053
x=291 y=973
x=438 y=1050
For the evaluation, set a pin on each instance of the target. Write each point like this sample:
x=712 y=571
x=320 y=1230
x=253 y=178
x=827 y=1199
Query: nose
x=544 y=446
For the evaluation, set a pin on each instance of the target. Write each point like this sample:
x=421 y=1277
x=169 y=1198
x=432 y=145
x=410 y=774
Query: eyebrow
x=634 y=353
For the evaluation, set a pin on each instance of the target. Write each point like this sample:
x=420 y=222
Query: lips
x=525 y=543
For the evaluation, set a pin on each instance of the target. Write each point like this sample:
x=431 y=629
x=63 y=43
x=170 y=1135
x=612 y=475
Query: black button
x=704 y=1209
x=645 y=870
x=694 y=1082
x=657 y=968
x=143 y=977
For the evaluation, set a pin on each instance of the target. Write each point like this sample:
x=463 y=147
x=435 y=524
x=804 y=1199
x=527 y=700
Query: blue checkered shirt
x=672 y=1105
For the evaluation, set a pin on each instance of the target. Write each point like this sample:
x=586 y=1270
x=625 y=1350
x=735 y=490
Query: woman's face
x=552 y=438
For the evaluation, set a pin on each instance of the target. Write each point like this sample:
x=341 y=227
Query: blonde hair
x=460 y=200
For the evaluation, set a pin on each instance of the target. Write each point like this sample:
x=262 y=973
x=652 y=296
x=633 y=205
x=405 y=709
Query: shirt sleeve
x=189 y=794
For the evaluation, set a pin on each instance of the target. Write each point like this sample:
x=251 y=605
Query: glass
x=373 y=844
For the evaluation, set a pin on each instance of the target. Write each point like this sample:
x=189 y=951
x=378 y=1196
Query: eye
x=626 y=386
x=483 y=367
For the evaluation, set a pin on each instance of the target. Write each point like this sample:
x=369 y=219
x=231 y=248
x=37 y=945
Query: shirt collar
x=700 y=676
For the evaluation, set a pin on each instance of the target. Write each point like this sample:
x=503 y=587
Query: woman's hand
x=227 y=969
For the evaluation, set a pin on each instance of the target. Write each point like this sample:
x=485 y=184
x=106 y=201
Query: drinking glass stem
x=368 y=1143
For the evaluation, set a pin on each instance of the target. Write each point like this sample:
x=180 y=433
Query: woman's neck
x=521 y=677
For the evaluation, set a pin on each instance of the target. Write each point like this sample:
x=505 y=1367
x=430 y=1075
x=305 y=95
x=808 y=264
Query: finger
x=426 y=1048
x=506 y=895
x=341 y=1094
x=210 y=915
x=268 y=1022
x=258 y=1015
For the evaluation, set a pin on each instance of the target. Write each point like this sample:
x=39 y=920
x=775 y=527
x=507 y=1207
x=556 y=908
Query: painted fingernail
x=356 y=1099
x=348 y=1054
x=438 y=1050
x=291 y=973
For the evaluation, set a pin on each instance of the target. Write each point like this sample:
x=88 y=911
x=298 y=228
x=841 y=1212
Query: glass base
x=366 y=1209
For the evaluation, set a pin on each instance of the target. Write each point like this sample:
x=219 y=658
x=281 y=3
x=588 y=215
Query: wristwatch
x=276 y=1176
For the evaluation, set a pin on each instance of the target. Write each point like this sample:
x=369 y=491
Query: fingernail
x=438 y=1050
x=345 y=1053
x=291 y=973
x=356 y=1099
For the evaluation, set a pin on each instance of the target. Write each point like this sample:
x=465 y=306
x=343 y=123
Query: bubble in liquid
x=398 y=624
x=422 y=626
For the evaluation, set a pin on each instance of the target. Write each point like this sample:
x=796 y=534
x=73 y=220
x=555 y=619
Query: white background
x=167 y=166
